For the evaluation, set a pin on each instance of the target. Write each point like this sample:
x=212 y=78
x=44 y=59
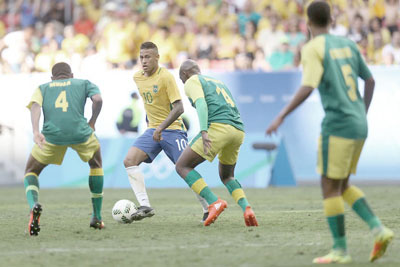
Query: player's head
x=61 y=71
x=319 y=14
x=188 y=69
x=149 y=57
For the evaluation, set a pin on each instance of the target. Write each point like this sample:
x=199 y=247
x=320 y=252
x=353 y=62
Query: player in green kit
x=63 y=101
x=333 y=64
x=221 y=133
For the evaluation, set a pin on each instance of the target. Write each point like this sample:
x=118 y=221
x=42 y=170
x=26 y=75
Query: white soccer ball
x=123 y=210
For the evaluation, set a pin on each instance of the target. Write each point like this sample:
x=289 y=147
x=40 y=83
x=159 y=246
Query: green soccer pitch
x=292 y=230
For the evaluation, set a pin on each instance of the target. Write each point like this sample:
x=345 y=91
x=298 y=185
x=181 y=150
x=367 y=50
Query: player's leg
x=38 y=160
x=227 y=162
x=192 y=156
x=145 y=149
x=185 y=168
x=334 y=212
x=31 y=183
x=96 y=182
x=356 y=199
x=334 y=166
x=90 y=152
x=226 y=173
x=173 y=144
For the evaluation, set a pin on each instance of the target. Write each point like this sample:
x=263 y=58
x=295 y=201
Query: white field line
x=144 y=248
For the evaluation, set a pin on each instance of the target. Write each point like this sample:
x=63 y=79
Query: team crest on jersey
x=155 y=88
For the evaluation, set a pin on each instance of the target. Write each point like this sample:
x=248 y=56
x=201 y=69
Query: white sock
x=203 y=202
x=136 y=179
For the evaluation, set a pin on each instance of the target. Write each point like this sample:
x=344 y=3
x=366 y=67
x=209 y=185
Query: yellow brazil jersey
x=158 y=92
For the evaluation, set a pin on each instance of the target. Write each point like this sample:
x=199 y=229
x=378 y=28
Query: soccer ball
x=123 y=210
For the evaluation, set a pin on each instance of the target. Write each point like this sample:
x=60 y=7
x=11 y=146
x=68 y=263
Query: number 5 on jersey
x=61 y=101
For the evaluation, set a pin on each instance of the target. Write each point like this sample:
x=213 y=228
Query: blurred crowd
x=98 y=35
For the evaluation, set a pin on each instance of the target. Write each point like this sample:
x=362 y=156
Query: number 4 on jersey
x=61 y=101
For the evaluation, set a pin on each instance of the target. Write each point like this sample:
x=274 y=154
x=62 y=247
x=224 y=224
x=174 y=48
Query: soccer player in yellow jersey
x=166 y=131
x=333 y=64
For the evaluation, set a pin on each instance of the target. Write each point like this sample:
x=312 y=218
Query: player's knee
x=180 y=169
x=129 y=162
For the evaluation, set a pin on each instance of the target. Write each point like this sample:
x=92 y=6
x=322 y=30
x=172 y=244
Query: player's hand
x=91 y=124
x=39 y=139
x=206 y=142
x=273 y=127
x=157 y=135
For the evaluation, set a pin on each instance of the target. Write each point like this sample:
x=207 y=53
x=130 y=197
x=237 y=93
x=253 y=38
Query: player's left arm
x=312 y=74
x=93 y=92
x=97 y=103
x=177 y=106
x=369 y=84
x=176 y=111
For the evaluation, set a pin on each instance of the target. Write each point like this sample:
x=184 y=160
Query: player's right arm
x=35 y=106
x=311 y=59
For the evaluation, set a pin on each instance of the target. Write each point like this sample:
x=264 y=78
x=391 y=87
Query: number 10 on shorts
x=181 y=144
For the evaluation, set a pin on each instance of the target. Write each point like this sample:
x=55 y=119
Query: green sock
x=198 y=185
x=236 y=191
x=363 y=210
x=336 y=225
x=96 y=179
x=356 y=199
x=31 y=184
x=334 y=212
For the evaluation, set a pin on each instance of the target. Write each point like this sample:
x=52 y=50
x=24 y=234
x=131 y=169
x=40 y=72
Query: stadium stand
x=261 y=35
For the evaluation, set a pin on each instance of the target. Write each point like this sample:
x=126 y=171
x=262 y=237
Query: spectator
x=282 y=58
x=391 y=52
x=337 y=27
x=357 y=29
x=84 y=24
x=248 y=14
x=269 y=39
x=392 y=15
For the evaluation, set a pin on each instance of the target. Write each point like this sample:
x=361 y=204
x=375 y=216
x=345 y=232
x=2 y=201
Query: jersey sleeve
x=171 y=88
x=311 y=60
x=193 y=88
x=91 y=89
x=363 y=69
x=36 y=98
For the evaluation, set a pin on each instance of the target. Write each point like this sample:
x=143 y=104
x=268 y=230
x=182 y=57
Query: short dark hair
x=319 y=13
x=61 y=69
x=148 y=45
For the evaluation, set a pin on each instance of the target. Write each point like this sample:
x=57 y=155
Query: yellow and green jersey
x=220 y=104
x=333 y=64
x=63 y=103
x=159 y=91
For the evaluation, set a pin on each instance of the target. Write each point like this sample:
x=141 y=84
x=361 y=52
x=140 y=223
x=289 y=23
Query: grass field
x=292 y=230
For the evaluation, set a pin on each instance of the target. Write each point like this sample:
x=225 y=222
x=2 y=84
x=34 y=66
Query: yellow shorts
x=54 y=154
x=225 y=142
x=338 y=156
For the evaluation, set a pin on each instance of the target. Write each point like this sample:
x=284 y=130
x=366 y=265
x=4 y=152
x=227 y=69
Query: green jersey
x=333 y=64
x=220 y=104
x=63 y=103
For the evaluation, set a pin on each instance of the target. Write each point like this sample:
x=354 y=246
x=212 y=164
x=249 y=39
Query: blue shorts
x=173 y=144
